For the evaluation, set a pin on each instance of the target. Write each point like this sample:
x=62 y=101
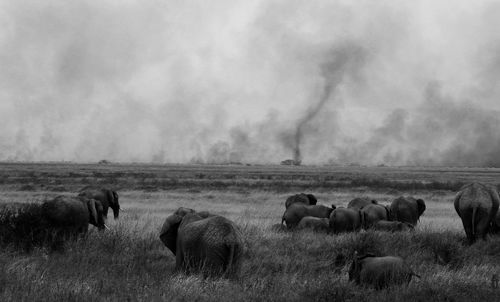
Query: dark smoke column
x=344 y=61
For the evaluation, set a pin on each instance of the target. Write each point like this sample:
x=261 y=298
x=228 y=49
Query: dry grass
x=130 y=263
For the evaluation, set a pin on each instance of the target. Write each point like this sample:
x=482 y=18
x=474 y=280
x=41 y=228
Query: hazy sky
x=394 y=82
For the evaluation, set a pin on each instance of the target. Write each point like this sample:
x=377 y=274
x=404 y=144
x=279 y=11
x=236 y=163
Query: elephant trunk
x=116 y=212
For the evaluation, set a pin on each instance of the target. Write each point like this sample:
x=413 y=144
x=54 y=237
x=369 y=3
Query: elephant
x=380 y=272
x=477 y=206
x=345 y=220
x=295 y=212
x=308 y=199
x=67 y=217
x=314 y=223
x=392 y=226
x=407 y=209
x=360 y=202
x=373 y=213
x=107 y=197
x=212 y=245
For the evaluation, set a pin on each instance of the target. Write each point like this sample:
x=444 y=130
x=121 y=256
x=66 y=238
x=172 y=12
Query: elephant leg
x=483 y=224
x=467 y=223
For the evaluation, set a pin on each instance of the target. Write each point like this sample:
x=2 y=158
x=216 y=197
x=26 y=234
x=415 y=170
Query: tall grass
x=130 y=263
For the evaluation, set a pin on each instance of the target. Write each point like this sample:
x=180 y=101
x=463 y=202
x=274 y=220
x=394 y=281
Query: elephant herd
x=214 y=245
x=302 y=211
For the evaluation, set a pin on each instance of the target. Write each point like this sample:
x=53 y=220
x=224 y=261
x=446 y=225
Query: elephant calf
x=314 y=223
x=380 y=272
x=295 y=212
x=392 y=226
x=212 y=244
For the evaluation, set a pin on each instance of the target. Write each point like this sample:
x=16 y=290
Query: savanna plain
x=128 y=262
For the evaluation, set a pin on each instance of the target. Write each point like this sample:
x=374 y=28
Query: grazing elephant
x=407 y=209
x=212 y=245
x=380 y=272
x=392 y=226
x=373 y=213
x=67 y=217
x=295 y=212
x=477 y=205
x=314 y=223
x=345 y=220
x=307 y=199
x=360 y=202
x=108 y=199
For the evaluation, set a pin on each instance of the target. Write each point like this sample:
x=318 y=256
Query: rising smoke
x=251 y=81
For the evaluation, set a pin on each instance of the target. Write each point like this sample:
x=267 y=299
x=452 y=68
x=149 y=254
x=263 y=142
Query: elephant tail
x=474 y=211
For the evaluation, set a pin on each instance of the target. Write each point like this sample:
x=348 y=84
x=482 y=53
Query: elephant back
x=382 y=272
x=64 y=211
x=360 y=202
x=345 y=220
x=215 y=242
x=373 y=213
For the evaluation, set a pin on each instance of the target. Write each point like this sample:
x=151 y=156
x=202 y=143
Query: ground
x=129 y=262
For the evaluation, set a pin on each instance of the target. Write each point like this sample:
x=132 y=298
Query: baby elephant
x=314 y=223
x=380 y=272
x=392 y=226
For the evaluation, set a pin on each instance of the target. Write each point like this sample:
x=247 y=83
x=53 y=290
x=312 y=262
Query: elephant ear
x=496 y=202
x=168 y=233
x=420 y=206
x=312 y=199
x=456 y=202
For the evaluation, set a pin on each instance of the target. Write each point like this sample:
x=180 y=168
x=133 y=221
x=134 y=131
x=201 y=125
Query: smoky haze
x=325 y=82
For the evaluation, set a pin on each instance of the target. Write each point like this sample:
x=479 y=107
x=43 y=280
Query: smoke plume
x=323 y=82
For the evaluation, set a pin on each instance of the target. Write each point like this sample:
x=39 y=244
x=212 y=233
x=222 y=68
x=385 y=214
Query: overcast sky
x=370 y=82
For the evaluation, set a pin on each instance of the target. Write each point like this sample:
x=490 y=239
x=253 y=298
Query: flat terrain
x=129 y=262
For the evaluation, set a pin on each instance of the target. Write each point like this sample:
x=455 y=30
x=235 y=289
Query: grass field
x=129 y=262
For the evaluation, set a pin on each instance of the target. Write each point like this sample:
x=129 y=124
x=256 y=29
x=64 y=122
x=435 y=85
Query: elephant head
x=420 y=207
x=168 y=233
x=307 y=199
x=107 y=197
x=113 y=203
